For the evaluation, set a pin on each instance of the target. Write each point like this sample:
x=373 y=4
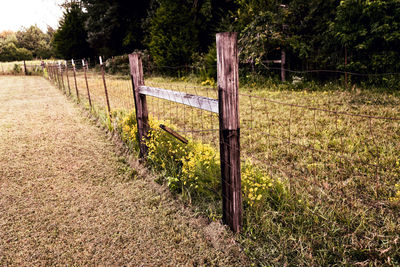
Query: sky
x=15 y=14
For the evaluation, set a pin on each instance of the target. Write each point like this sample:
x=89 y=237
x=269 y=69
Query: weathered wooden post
x=105 y=85
x=76 y=85
x=228 y=101
x=87 y=84
x=136 y=69
x=26 y=73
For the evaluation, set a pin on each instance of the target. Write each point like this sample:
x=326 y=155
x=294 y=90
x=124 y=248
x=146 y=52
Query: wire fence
x=330 y=153
x=334 y=147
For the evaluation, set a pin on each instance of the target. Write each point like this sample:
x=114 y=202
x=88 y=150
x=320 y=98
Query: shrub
x=17 y=69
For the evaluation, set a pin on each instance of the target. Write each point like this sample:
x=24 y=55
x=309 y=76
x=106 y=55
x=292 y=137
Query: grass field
x=16 y=67
x=337 y=151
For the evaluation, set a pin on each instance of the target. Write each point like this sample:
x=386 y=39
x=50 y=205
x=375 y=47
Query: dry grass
x=68 y=198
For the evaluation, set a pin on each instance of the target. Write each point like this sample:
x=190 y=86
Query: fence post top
x=134 y=54
x=226 y=34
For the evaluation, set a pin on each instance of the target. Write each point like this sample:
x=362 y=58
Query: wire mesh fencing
x=334 y=152
x=331 y=148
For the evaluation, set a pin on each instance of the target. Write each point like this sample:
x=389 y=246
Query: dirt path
x=66 y=197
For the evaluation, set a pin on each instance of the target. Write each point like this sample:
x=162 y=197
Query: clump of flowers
x=128 y=130
x=193 y=169
x=259 y=188
x=210 y=82
x=200 y=168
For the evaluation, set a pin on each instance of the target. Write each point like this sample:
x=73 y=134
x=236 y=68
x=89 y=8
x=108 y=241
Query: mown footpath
x=68 y=196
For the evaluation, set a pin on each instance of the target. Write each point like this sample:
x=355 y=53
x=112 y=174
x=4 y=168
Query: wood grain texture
x=228 y=98
x=195 y=101
x=136 y=69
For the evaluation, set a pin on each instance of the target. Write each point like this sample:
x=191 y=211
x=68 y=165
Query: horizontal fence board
x=195 y=101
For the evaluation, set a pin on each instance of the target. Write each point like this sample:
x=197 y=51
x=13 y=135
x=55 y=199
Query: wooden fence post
x=228 y=100
x=136 y=68
x=25 y=71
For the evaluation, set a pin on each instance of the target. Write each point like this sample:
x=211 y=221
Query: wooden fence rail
x=227 y=106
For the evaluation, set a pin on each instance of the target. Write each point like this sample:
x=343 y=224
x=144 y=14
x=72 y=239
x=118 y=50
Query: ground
x=67 y=196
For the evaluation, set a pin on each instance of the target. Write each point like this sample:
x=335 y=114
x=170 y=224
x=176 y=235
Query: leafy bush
x=118 y=64
x=17 y=69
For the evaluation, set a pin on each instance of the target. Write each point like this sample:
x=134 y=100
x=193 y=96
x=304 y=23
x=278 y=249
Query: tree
x=173 y=37
x=34 y=40
x=115 y=26
x=300 y=27
x=70 y=39
x=370 y=30
x=9 y=50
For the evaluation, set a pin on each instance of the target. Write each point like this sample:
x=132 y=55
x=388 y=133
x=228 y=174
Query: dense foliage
x=25 y=44
x=114 y=27
x=315 y=34
x=70 y=40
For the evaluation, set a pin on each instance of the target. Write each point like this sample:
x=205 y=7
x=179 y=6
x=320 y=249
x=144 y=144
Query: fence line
x=318 y=149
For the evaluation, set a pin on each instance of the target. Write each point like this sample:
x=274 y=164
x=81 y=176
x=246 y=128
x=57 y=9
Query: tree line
x=315 y=34
x=26 y=44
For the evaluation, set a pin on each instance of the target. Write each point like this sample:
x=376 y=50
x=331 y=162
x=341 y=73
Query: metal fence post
x=66 y=72
x=76 y=85
x=62 y=76
x=228 y=100
x=136 y=69
x=87 y=84
x=105 y=85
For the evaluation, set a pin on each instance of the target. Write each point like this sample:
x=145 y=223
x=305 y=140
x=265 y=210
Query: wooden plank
x=228 y=96
x=136 y=68
x=174 y=134
x=195 y=101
